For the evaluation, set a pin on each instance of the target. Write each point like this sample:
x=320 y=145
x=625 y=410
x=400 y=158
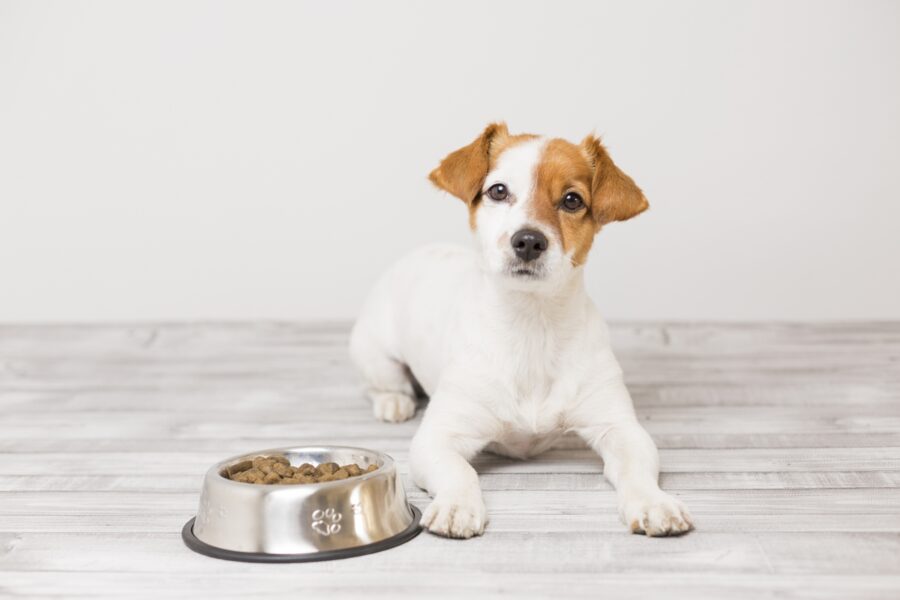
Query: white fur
x=510 y=364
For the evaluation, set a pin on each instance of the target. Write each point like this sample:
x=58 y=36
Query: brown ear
x=462 y=173
x=615 y=196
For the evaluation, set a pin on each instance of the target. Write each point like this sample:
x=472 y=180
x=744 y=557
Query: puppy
x=504 y=340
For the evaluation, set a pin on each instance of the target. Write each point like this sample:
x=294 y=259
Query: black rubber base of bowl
x=192 y=542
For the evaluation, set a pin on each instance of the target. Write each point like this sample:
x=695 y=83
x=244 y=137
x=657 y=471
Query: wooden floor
x=784 y=441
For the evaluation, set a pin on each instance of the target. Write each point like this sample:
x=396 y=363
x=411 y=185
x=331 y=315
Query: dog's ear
x=615 y=196
x=462 y=172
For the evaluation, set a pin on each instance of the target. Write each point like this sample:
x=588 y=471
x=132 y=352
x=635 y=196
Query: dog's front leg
x=439 y=462
x=608 y=424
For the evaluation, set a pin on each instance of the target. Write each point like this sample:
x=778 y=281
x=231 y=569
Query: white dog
x=504 y=340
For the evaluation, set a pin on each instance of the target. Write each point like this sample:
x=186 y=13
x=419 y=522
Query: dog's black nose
x=529 y=244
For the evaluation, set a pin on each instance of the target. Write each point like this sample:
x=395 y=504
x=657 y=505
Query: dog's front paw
x=394 y=407
x=456 y=517
x=656 y=514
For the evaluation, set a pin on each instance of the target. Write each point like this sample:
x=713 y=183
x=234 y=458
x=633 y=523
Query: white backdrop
x=207 y=160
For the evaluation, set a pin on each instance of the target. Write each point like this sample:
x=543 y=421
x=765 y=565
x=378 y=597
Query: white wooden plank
x=553 y=461
x=545 y=552
x=492 y=481
x=319 y=580
x=509 y=510
x=216 y=438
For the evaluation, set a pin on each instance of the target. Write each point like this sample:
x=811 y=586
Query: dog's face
x=535 y=204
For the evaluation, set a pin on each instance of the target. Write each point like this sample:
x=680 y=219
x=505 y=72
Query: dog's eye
x=498 y=192
x=572 y=202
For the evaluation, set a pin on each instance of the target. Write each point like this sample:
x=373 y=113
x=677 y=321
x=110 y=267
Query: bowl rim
x=216 y=470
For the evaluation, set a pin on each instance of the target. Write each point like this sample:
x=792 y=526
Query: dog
x=504 y=339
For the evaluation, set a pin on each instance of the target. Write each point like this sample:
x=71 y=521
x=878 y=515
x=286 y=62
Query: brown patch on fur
x=463 y=171
x=608 y=193
x=564 y=168
x=615 y=195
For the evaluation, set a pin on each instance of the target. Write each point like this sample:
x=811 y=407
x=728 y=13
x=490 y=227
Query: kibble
x=278 y=470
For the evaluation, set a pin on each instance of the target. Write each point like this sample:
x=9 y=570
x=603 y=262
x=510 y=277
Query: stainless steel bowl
x=293 y=523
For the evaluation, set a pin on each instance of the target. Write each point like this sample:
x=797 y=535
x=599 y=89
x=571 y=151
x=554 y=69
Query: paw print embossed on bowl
x=326 y=522
x=293 y=523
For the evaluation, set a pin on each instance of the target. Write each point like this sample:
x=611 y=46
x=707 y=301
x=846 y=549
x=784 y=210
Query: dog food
x=278 y=470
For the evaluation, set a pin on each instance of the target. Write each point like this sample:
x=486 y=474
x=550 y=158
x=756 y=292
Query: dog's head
x=535 y=204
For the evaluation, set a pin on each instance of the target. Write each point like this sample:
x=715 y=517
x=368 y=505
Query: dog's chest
x=534 y=415
x=522 y=444
x=536 y=355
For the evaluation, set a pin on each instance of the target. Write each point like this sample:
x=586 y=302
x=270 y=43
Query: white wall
x=169 y=160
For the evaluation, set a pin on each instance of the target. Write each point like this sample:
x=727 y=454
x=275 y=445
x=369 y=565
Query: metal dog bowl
x=303 y=522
